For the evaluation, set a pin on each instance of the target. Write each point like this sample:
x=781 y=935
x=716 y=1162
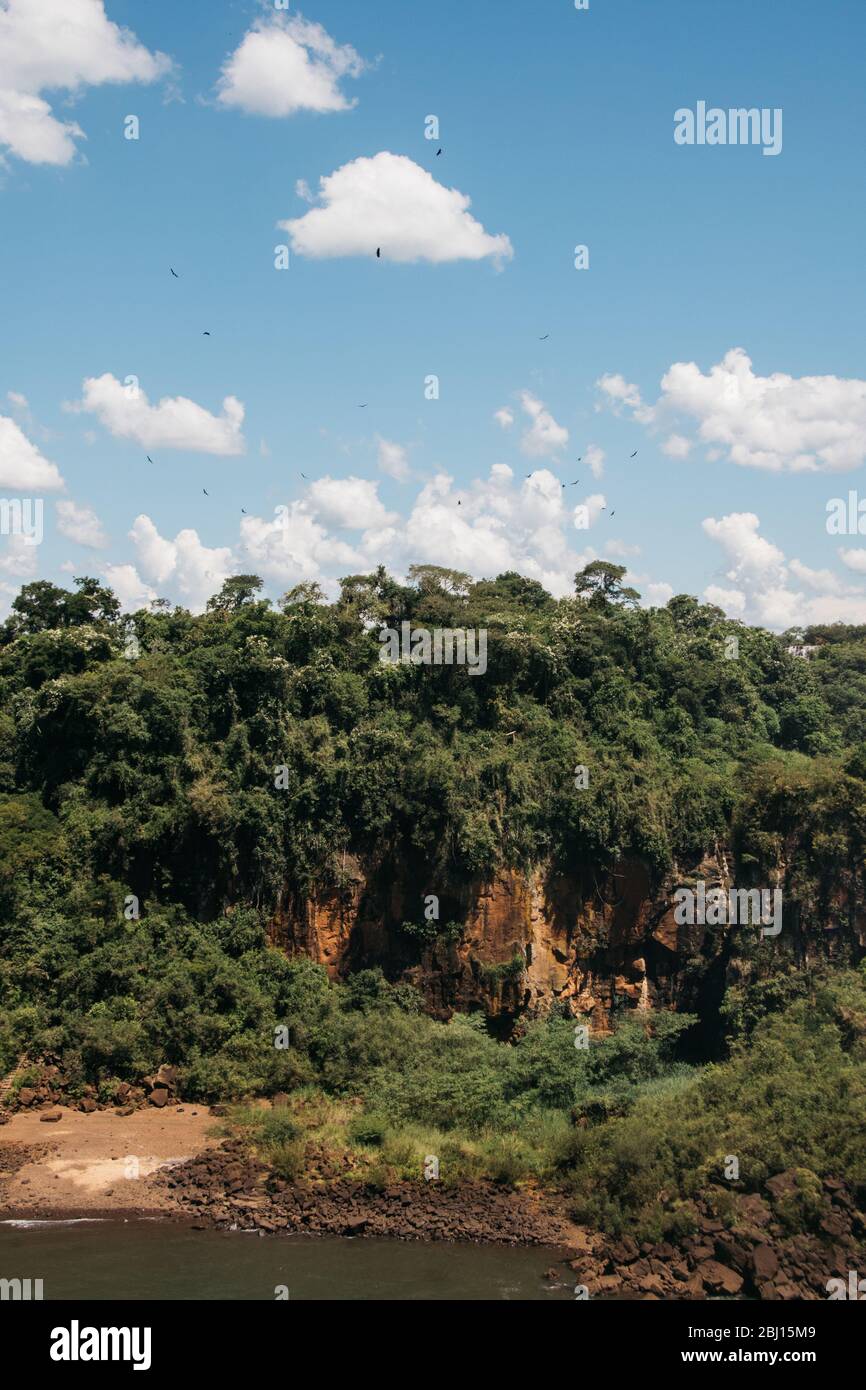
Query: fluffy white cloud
x=80 y=524
x=18 y=559
x=129 y=587
x=294 y=546
x=504 y=417
x=591 y=507
x=195 y=571
x=393 y=459
x=544 y=436
x=16 y=399
x=595 y=458
x=48 y=45
x=620 y=395
x=351 y=503
x=733 y=601
x=175 y=423
x=287 y=64
x=779 y=423
x=854 y=559
x=389 y=202
x=618 y=550
x=676 y=446
x=21 y=465
x=771 y=591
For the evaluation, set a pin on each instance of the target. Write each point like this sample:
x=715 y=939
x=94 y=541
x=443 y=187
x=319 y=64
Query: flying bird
x=149 y=459
x=174 y=272
x=205 y=491
x=363 y=407
x=378 y=253
x=243 y=511
x=438 y=152
x=635 y=454
x=205 y=334
x=612 y=515
x=545 y=338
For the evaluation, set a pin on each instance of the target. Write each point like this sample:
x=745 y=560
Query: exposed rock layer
x=519 y=943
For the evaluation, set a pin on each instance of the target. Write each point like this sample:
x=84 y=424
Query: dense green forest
x=138 y=757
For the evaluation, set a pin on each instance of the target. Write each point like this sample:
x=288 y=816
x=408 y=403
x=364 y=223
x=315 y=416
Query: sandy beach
x=100 y=1162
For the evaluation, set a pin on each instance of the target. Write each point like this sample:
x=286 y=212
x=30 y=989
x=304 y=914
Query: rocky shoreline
x=228 y=1189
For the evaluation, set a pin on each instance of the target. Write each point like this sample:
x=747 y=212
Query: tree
x=236 y=592
x=600 y=584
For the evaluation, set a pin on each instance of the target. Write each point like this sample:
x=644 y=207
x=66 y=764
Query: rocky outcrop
x=230 y=1189
x=518 y=944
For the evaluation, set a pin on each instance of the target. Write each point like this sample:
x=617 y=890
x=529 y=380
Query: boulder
x=765 y=1263
x=719 y=1279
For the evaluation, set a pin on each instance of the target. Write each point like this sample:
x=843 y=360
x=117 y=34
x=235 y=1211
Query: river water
x=155 y=1260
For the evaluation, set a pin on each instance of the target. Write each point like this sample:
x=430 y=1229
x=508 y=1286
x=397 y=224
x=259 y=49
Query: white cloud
x=595 y=458
x=21 y=465
x=780 y=423
x=351 y=503
x=80 y=524
x=393 y=459
x=621 y=394
x=763 y=587
x=854 y=559
x=16 y=399
x=293 y=546
x=676 y=446
x=128 y=587
x=18 y=558
x=504 y=417
x=618 y=550
x=193 y=569
x=591 y=506
x=731 y=600
x=389 y=202
x=284 y=65
x=66 y=45
x=175 y=423
x=544 y=436
x=656 y=595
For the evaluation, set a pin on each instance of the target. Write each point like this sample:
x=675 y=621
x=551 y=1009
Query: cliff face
x=518 y=944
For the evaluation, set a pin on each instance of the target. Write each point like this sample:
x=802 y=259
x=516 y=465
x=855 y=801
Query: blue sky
x=558 y=125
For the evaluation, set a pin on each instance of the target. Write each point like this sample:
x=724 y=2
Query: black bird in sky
x=363 y=407
x=205 y=491
x=378 y=253
x=243 y=511
x=149 y=459
x=545 y=338
x=205 y=334
x=438 y=152
x=612 y=515
x=635 y=454
x=174 y=272
x=305 y=478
